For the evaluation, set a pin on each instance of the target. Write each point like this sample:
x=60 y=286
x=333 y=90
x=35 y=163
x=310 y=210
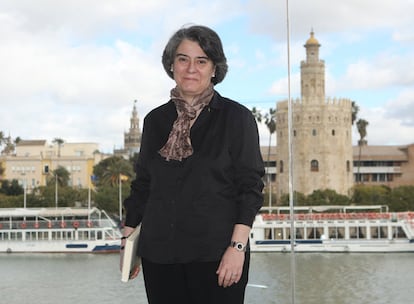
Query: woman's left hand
x=231 y=267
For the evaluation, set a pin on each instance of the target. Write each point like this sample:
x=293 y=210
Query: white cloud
x=72 y=69
x=269 y=17
x=384 y=130
x=404 y=35
x=383 y=70
x=74 y=87
x=72 y=72
x=281 y=88
x=402 y=109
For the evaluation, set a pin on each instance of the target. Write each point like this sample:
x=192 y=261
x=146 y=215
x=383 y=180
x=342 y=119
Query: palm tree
x=1 y=143
x=257 y=114
x=61 y=176
x=1 y=137
x=355 y=110
x=270 y=122
x=113 y=169
x=354 y=116
x=59 y=142
x=362 y=130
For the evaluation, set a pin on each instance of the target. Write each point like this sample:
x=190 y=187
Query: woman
x=198 y=181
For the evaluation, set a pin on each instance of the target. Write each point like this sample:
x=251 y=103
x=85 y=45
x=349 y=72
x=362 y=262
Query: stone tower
x=321 y=134
x=132 y=139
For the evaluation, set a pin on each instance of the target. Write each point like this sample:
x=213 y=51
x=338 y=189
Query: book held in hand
x=131 y=260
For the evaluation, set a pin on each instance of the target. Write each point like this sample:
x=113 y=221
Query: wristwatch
x=239 y=246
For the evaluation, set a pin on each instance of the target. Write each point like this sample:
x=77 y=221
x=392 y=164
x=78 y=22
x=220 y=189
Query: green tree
x=68 y=197
x=8 y=201
x=298 y=198
x=110 y=170
x=46 y=195
x=113 y=175
x=5 y=185
x=370 y=195
x=9 y=145
x=11 y=188
x=133 y=159
x=326 y=197
x=107 y=197
x=59 y=181
x=402 y=198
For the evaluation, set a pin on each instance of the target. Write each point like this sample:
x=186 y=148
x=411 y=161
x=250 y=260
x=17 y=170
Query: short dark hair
x=209 y=42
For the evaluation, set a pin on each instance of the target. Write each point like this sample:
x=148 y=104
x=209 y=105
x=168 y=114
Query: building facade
x=321 y=134
x=392 y=166
x=34 y=161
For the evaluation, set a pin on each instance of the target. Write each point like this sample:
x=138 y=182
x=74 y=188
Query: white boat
x=333 y=229
x=58 y=230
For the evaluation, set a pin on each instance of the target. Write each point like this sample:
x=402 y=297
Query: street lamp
x=24 y=190
x=120 y=197
x=56 y=189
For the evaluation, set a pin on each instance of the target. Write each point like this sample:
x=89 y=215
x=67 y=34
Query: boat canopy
x=323 y=208
x=46 y=212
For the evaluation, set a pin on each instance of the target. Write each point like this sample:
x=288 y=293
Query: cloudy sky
x=72 y=69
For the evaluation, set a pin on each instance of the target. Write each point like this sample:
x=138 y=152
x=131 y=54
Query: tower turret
x=312 y=72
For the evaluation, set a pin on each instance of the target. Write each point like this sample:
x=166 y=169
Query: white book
x=130 y=255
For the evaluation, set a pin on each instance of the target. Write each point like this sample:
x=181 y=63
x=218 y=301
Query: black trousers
x=191 y=283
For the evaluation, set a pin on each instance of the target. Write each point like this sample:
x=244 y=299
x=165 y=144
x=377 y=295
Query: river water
x=319 y=278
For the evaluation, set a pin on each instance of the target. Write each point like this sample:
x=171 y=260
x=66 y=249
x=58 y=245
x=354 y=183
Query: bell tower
x=132 y=139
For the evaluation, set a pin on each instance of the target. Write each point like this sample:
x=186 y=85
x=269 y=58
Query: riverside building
x=34 y=160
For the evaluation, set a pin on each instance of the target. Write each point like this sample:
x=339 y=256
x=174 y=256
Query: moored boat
x=333 y=229
x=58 y=230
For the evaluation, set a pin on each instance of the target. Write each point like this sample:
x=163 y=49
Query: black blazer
x=188 y=209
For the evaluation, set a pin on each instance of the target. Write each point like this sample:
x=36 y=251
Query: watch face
x=238 y=246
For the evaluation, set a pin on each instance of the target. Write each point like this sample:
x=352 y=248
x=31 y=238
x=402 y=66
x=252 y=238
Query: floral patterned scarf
x=178 y=145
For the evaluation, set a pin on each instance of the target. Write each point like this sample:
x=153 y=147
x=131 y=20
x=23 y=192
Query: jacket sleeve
x=248 y=166
x=135 y=204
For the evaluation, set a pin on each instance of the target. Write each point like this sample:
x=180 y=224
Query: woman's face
x=192 y=69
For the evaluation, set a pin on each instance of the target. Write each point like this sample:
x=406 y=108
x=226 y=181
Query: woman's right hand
x=126 y=232
x=134 y=272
